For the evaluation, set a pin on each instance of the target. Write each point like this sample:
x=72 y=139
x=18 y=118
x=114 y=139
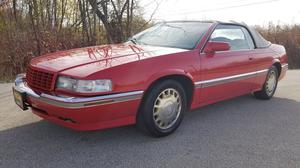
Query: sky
x=251 y=12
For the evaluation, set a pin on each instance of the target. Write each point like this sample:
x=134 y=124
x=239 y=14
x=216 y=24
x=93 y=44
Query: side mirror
x=213 y=46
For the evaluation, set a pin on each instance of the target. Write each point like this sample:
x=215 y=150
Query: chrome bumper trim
x=217 y=81
x=76 y=102
x=285 y=66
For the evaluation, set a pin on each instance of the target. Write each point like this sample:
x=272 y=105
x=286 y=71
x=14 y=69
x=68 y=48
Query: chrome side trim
x=91 y=99
x=76 y=102
x=217 y=81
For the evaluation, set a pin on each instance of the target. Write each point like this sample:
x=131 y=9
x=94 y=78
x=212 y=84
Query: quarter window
x=237 y=36
x=249 y=38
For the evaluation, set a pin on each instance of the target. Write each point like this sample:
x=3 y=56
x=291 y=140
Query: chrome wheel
x=271 y=82
x=167 y=108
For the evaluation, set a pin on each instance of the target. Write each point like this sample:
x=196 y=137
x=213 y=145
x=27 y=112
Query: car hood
x=107 y=56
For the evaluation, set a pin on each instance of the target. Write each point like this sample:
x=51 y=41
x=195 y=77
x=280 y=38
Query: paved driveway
x=238 y=133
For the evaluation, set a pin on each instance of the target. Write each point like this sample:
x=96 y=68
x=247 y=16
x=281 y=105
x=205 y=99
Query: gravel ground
x=238 y=133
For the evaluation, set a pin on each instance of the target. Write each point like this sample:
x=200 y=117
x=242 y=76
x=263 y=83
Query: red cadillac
x=152 y=79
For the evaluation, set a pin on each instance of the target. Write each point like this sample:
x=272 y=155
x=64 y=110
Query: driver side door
x=225 y=74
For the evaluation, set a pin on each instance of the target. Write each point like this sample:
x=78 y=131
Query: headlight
x=66 y=83
x=84 y=86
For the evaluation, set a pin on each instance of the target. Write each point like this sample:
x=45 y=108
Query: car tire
x=269 y=86
x=162 y=109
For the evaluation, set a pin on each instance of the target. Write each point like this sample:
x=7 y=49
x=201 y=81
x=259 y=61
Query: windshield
x=173 y=34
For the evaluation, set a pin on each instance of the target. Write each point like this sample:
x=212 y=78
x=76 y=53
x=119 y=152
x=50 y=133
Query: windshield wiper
x=133 y=40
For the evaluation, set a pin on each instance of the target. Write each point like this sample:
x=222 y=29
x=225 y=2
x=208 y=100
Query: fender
x=276 y=60
x=165 y=73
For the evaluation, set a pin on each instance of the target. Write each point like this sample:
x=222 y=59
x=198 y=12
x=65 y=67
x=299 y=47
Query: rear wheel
x=163 y=108
x=269 y=86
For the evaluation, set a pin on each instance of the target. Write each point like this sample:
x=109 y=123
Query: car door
x=226 y=74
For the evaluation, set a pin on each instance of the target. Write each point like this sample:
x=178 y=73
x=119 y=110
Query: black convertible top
x=259 y=41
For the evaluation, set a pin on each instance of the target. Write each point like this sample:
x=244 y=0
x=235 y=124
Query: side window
x=234 y=35
x=249 y=38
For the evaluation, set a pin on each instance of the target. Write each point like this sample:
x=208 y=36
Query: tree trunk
x=35 y=28
x=104 y=20
x=83 y=20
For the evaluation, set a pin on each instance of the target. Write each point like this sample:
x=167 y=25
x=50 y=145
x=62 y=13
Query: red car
x=152 y=79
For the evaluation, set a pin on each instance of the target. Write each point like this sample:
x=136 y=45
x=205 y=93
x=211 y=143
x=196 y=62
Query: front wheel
x=163 y=108
x=269 y=86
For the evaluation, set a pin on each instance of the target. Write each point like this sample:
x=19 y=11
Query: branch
x=153 y=13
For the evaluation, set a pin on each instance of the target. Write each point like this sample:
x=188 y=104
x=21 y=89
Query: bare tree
x=29 y=28
x=114 y=23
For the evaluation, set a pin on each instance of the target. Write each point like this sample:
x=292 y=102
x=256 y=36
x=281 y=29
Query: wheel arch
x=185 y=79
x=278 y=66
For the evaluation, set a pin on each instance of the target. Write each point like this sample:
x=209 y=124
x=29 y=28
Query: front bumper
x=82 y=113
x=284 y=68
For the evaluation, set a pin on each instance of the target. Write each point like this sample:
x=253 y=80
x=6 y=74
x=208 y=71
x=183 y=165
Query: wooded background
x=286 y=35
x=29 y=28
